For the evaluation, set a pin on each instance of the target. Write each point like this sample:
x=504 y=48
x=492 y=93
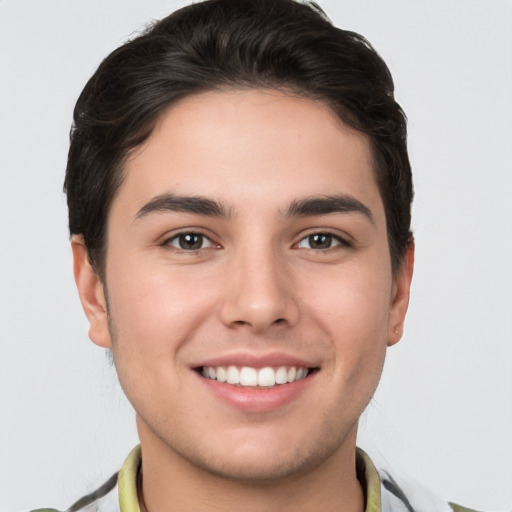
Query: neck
x=169 y=482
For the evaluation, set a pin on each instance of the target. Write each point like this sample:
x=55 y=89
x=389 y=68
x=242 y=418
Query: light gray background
x=443 y=414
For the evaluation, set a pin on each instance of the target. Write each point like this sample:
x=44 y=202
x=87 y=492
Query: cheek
x=151 y=317
x=353 y=310
x=352 y=304
x=154 y=309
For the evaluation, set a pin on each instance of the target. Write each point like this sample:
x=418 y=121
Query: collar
x=127 y=481
x=369 y=478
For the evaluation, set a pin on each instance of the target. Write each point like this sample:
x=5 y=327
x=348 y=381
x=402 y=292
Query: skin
x=257 y=286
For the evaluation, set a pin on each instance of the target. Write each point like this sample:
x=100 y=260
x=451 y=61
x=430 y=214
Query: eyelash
x=333 y=238
x=178 y=238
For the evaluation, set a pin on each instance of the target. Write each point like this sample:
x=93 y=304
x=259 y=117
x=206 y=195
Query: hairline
x=338 y=110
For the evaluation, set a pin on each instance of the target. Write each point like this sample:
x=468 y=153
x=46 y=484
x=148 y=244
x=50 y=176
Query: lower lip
x=258 y=399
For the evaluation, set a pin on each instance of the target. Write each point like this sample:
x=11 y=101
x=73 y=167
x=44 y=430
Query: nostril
x=241 y=322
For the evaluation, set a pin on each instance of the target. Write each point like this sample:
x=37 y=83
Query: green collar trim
x=127 y=482
x=371 y=481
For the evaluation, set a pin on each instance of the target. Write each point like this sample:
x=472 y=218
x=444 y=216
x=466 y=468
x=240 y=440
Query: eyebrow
x=190 y=204
x=309 y=206
x=325 y=205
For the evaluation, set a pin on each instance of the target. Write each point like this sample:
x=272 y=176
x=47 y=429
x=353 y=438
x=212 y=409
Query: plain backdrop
x=443 y=412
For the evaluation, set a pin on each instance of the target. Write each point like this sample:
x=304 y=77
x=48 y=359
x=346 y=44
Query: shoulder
x=118 y=492
x=401 y=495
x=387 y=493
x=103 y=499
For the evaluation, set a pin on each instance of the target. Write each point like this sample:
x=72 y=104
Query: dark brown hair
x=219 y=44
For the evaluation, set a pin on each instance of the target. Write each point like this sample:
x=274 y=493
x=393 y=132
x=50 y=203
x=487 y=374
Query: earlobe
x=400 y=297
x=91 y=292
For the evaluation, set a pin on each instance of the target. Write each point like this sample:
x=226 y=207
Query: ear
x=91 y=292
x=400 y=297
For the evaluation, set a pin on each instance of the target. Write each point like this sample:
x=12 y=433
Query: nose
x=259 y=293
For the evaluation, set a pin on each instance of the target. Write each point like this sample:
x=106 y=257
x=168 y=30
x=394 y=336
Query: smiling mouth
x=250 y=377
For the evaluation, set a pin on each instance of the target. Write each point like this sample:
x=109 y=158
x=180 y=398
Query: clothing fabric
x=383 y=493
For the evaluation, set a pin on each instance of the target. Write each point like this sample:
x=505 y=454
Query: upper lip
x=256 y=360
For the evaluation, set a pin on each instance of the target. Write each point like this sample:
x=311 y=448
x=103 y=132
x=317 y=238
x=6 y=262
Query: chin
x=259 y=470
x=266 y=463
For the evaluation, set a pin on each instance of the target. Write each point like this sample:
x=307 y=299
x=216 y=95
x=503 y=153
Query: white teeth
x=221 y=374
x=281 y=375
x=266 y=377
x=292 y=373
x=233 y=375
x=247 y=376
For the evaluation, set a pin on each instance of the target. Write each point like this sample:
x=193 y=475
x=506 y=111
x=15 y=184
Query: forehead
x=244 y=145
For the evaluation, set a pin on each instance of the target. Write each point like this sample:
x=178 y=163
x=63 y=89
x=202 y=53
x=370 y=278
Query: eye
x=321 y=241
x=190 y=241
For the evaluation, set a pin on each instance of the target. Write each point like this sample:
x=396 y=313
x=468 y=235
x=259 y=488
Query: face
x=250 y=292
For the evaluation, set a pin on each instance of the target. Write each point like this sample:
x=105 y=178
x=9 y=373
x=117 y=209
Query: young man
x=239 y=198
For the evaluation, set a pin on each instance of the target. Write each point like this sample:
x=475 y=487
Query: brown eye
x=190 y=241
x=320 y=241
